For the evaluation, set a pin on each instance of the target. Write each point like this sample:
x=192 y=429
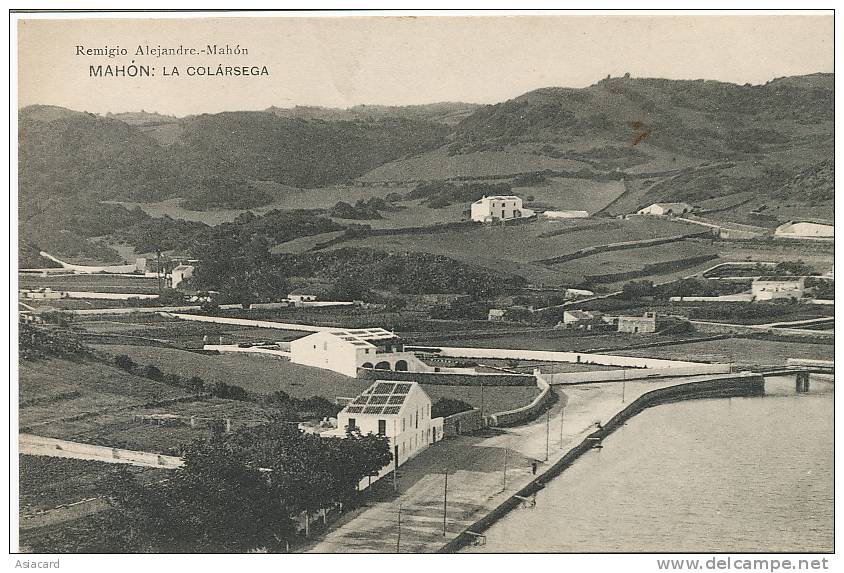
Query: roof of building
x=669 y=205
x=383 y=398
x=647 y=317
x=362 y=337
x=582 y=314
x=183 y=268
x=813 y=221
x=496 y=198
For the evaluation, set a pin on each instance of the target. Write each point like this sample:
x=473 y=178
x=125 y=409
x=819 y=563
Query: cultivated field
x=741 y=351
x=48 y=482
x=256 y=373
x=516 y=248
x=95 y=283
x=578 y=194
x=54 y=389
x=181 y=333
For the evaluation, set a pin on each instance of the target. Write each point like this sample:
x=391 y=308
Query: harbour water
x=726 y=475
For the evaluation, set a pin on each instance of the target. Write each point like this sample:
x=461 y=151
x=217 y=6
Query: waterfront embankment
x=485 y=472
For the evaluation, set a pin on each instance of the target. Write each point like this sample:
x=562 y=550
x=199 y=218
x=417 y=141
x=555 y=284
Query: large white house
x=346 y=350
x=399 y=410
x=666 y=209
x=805 y=230
x=499 y=208
x=774 y=288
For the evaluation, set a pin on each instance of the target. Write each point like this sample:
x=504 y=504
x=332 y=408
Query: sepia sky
x=339 y=62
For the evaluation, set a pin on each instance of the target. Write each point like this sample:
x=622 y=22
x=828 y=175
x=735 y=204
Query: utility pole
x=158 y=269
x=547 y=432
x=623 y=384
x=506 y=451
x=445 y=500
x=562 y=413
x=395 y=467
x=482 y=398
x=398 y=539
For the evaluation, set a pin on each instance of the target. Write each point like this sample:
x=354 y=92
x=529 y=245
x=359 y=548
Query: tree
x=195 y=384
x=123 y=362
x=350 y=286
x=152 y=372
x=396 y=304
x=637 y=289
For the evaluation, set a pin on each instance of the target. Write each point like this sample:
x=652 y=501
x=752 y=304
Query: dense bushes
x=37 y=342
x=438 y=194
x=362 y=209
x=445 y=407
x=314 y=407
x=236 y=493
x=194 y=384
x=701 y=287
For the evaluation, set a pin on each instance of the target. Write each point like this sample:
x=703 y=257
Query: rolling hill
x=771 y=145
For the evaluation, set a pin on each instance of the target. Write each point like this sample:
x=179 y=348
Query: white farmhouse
x=666 y=209
x=805 y=230
x=346 y=350
x=399 y=410
x=774 y=288
x=179 y=274
x=499 y=208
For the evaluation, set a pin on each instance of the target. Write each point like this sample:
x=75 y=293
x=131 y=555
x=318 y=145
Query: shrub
x=153 y=373
x=448 y=407
x=124 y=362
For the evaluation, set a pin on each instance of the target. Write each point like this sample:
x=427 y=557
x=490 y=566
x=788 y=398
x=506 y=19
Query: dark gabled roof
x=383 y=398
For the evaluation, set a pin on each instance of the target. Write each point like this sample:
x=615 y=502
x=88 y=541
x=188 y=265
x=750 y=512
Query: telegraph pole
x=547 y=432
x=395 y=466
x=562 y=413
x=445 y=501
x=623 y=384
x=158 y=268
x=398 y=539
x=482 y=398
x=506 y=451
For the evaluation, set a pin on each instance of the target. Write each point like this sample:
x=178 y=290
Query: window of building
x=382 y=427
x=403 y=424
x=352 y=423
x=417 y=417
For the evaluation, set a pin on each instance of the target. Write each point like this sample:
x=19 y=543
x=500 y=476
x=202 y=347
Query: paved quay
x=476 y=477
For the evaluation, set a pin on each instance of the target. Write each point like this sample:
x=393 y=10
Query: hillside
x=771 y=141
x=757 y=147
x=69 y=162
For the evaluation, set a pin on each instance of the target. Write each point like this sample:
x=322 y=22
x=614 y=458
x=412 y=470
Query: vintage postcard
x=385 y=282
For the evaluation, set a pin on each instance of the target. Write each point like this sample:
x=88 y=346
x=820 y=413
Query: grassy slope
x=48 y=482
x=439 y=165
x=515 y=248
x=258 y=374
x=100 y=386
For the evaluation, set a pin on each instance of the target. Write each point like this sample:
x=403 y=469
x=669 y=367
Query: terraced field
x=516 y=248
